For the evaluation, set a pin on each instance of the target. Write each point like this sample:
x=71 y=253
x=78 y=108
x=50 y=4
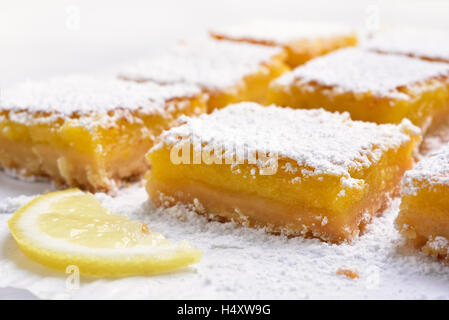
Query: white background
x=38 y=38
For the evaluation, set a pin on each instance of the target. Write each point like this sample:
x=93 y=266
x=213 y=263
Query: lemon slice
x=71 y=228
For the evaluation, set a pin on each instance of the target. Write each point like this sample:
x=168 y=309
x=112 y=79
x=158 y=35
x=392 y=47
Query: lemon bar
x=226 y=71
x=375 y=87
x=86 y=131
x=427 y=44
x=297 y=172
x=424 y=212
x=302 y=40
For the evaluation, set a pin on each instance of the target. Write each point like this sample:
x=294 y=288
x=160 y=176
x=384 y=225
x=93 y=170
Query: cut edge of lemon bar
x=424 y=212
x=87 y=131
x=71 y=229
x=227 y=72
x=381 y=88
x=297 y=172
x=302 y=41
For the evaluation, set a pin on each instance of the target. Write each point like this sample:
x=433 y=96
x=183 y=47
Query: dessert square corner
x=423 y=217
x=423 y=43
x=296 y=172
x=90 y=132
x=302 y=40
x=381 y=88
x=227 y=72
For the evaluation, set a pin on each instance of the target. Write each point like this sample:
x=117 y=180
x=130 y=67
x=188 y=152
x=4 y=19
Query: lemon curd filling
x=424 y=212
x=313 y=179
x=374 y=87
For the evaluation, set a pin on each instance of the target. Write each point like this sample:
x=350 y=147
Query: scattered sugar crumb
x=324 y=221
x=296 y=180
x=352 y=274
x=438 y=243
x=342 y=193
x=288 y=168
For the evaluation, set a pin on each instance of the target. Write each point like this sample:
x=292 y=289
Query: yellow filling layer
x=92 y=158
x=253 y=87
x=323 y=205
x=424 y=216
x=429 y=102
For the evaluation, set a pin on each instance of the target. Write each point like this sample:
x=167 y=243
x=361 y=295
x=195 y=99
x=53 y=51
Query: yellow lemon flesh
x=71 y=228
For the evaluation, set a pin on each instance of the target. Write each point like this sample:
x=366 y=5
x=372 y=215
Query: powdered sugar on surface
x=85 y=95
x=361 y=71
x=325 y=142
x=282 y=31
x=211 y=64
x=429 y=44
x=242 y=263
x=431 y=171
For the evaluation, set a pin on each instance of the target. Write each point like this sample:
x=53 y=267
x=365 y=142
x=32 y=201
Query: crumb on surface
x=352 y=274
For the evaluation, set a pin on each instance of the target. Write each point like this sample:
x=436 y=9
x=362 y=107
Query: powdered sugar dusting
x=322 y=141
x=428 y=44
x=361 y=71
x=211 y=64
x=438 y=243
x=432 y=170
x=242 y=263
x=84 y=95
x=282 y=31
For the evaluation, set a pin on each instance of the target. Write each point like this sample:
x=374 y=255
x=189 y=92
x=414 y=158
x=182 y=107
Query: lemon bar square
x=227 y=72
x=424 y=212
x=86 y=131
x=375 y=87
x=427 y=44
x=302 y=40
x=297 y=172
